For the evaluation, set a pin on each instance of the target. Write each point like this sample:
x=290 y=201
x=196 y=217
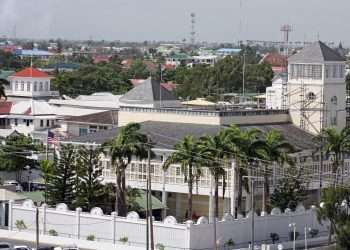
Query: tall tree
x=187 y=155
x=46 y=168
x=89 y=172
x=62 y=184
x=128 y=143
x=335 y=144
x=275 y=149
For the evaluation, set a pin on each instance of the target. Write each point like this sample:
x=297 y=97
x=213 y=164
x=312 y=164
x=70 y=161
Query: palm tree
x=245 y=146
x=2 y=88
x=128 y=142
x=336 y=144
x=187 y=155
x=275 y=149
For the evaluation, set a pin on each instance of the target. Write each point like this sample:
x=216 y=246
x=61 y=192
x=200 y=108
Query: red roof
x=31 y=72
x=169 y=86
x=5 y=107
x=275 y=60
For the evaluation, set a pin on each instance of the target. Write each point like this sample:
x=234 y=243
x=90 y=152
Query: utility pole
x=149 y=197
x=37 y=227
x=252 y=183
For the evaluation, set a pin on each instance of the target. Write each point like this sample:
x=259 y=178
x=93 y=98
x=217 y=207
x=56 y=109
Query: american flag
x=51 y=138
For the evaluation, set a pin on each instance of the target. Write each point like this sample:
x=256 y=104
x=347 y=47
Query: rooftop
x=31 y=72
x=106 y=118
x=166 y=134
x=317 y=52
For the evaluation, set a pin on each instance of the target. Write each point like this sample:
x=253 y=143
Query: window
x=335 y=71
x=41 y=86
x=327 y=71
x=47 y=123
x=28 y=86
x=53 y=123
x=334 y=121
x=16 y=86
x=27 y=123
x=22 y=86
x=46 y=86
x=83 y=131
x=41 y=123
x=311 y=96
x=341 y=71
x=35 y=86
x=93 y=129
x=16 y=122
x=178 y=171
x=334 y=100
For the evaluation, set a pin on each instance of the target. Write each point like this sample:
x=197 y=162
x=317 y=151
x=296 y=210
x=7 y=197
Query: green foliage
x=20 y=225
x=53 y=232
x=229 y=243
x=9 y=61
x=160 y=246
x=290 y=191
x=129 y=142
x=89 y=79
x=343 y=236
x=138 y=70
x=61 y=185
x=88 y=188
x=124 y=239
x=91 y=237
x=22 y=146
x=274 y=237
x=46 y=168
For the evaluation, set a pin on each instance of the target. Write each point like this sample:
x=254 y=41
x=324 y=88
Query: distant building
x=275 y=93
x=204 y=60
x=278 y=62
x=178 y=59
x=227 y=52
x=41 y=54
x=30 y=83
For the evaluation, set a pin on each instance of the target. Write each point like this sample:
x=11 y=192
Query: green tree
x=275 y=149
x=335 y=144
x=290 y=191
x=128 y=143
x=92 y=78
x=89 y=172
x=62 y=184
x=138 y=70
x=16 y=154
x=334 y=207
x=46 y=168
x=187 y=155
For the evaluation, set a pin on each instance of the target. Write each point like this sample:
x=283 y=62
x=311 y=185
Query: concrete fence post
x=114 y=227
x=77 y=219
x=10 y=216
x=44 y=208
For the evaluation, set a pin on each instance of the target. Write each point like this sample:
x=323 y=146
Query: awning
x=141 y=200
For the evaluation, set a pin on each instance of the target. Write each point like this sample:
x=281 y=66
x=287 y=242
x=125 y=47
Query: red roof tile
x=5 y=107
x=31 y=72
x=275 y=60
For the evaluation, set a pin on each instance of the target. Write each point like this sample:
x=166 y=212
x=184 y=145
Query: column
x=211 y=201
x=77 y=220
x=164 y=195
x=233 y=189
x=178 y=207
x=113 y=220
x=10 y=219
x=44 y=207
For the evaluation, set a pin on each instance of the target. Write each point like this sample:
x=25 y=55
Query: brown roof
x=105 y=118
x=275 y=60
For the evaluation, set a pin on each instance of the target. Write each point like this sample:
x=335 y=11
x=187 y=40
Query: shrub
x=53 y=232
x=229 y=243
x=20 y=225
x=313 y=232
x=160 y=246
x=124 y=239
x=274 y=237
x=91 y=237
x=291 y=235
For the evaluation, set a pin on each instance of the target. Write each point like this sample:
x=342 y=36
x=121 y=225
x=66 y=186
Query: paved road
x=27 y=243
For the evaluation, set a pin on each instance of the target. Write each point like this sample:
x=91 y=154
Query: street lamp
x=306 y=231
x=29 y=173
x=293 y=225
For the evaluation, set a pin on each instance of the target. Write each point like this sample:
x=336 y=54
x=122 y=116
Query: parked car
x=5 y=246
x=67 y=248
x=19 y=187
x=21 y=248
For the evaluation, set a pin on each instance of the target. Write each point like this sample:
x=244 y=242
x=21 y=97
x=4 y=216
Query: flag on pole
x=51 y=137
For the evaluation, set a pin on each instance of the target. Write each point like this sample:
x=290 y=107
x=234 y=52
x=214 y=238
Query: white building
x=30 y=83
x=316 y=88
x=274 y=94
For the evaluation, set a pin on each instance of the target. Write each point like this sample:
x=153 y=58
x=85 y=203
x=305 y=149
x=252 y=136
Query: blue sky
x=220 y=20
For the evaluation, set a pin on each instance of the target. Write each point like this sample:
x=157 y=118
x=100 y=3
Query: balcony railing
x=32 y=94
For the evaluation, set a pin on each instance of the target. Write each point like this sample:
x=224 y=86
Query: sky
x=169 y=20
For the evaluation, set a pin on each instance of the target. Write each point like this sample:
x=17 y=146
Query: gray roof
x=166 y=134
x=317 y=52
x=147 y=92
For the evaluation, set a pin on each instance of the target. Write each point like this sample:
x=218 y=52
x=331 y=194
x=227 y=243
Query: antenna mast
x=286 y=29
